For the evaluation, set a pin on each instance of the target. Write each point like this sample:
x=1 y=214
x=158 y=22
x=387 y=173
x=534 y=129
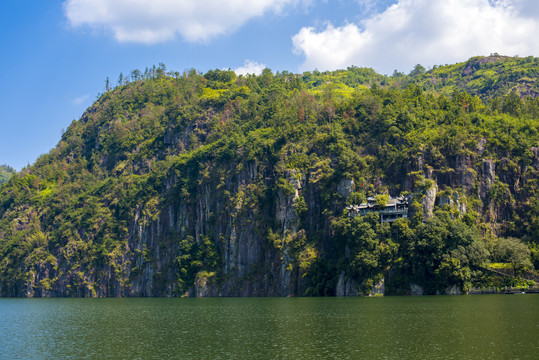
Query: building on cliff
x=395 y=208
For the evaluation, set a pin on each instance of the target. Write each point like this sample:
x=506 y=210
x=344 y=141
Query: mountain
x=190 y=184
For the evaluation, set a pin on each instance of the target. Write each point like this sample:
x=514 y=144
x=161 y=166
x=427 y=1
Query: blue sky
x=56 y=54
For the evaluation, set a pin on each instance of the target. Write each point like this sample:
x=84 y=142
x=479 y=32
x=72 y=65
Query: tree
x=381 y=200
x=223 y=76
x=356 y=198
x=5 y=173
x=515 y=252
x=418 y=70
x=512 y=104
x=136 y=75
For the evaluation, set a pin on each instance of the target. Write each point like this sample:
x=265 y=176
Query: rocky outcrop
x=428 y=200
x=452 y=290
x=487 y=177
x=251 y=265
x=346 y=286
x=416 y=289
x=452 y=200
x=229 y=217
x=378 y=289
x=288 y=221
x=535 y=161
x=346 y=187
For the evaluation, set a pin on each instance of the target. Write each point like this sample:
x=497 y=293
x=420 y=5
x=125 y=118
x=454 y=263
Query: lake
x=434 y=327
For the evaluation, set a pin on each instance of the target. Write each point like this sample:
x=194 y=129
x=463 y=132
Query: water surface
x=438 y=327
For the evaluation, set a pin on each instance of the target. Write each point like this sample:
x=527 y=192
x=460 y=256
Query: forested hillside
x=221 y=185
x=488 y=77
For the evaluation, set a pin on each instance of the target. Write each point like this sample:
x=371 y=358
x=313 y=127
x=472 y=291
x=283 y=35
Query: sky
x=57 y=54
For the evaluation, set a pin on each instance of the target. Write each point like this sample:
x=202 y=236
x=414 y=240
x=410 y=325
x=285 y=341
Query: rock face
x=231 y=216
x=535 y=162
x=452 y=290
x=251 y=265
x=289 y=224
x=252 y=261
x=488 y=177
x=346 y=286
x=416 y=289
x=346 y=187
x=428 y=201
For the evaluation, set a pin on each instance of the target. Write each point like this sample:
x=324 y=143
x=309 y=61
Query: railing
x=392 y=211
x=385 y=211
x=504 y=290
x=511 y=273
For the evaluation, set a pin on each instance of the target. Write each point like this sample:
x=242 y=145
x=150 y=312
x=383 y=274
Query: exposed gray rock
x=488 y=176
x=202 y=288
x=461 y=206
x=445 y=200
x=481 y=145
x=416 y=290
x=378 y=289
x=535 y=161
x=468 y=179
x=452 y=290
x=428 y=201
x=289 y=223
x=346 y=286
x=453 y=200
x=340 y=290
x=346 y=187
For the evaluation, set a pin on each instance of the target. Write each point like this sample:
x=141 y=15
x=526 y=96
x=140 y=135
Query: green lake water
x=437 y=327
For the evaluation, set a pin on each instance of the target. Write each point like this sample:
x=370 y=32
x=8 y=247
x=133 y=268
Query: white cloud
x=81 y=99
x=429 y=32
x=151 y=21
x=368 y=5
x=250 y=67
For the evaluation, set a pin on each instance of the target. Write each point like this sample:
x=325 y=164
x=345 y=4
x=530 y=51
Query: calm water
x=461 y=327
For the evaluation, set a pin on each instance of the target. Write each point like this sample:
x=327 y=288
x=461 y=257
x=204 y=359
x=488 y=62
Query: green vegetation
x=216 y=184
x=5 y=173
x=488 y=77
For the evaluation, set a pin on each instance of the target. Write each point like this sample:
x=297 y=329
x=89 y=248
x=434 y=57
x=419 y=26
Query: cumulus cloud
x=430 y=32
x=151 y=21
x=250 y=67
